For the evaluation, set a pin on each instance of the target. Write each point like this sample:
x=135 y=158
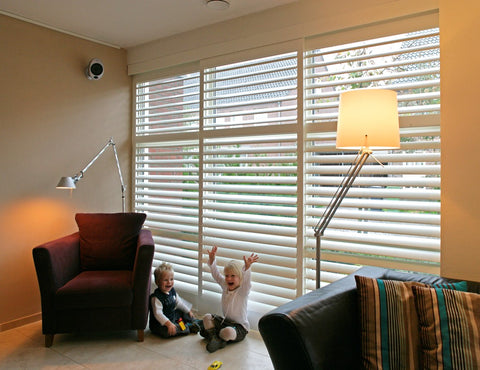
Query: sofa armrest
x=142 y=272
x=319 y=330
x=56 y=263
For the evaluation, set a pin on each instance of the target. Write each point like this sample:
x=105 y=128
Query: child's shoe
x=215 y=343
x=194 y=327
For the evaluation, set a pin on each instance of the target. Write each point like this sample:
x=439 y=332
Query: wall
x=52 y=122
x=460 y=58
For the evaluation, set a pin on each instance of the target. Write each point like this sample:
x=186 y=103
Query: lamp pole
x=332 y=207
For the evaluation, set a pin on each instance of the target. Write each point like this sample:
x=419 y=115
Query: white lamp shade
x=66 y=183
x=368 y=118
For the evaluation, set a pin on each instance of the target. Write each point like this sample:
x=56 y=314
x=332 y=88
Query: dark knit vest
x=169 y=301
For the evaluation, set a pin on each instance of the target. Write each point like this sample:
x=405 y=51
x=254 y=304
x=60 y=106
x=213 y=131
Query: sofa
x=321 y=329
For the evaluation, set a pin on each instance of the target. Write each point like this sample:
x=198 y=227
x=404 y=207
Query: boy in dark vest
x=170 y=315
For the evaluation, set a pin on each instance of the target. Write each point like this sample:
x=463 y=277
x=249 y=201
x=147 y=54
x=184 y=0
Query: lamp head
x=66 y=183
x=368 y=119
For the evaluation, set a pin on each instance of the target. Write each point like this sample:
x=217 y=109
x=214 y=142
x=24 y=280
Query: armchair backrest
x=108 y=241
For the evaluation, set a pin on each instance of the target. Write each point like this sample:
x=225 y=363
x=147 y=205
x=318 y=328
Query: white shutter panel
x=167 y=171
x=250 y=174
x=391 y=216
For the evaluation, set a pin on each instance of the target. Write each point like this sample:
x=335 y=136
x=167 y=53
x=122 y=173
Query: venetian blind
x=167 y=170
x=250 y=172
x=391 y=216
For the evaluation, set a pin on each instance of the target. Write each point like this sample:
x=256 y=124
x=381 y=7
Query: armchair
x=97 y=278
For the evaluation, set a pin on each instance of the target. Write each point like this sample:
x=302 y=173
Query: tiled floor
x=23 y=348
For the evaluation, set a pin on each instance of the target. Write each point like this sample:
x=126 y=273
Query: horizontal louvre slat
x=382 y=204
x=364 y=214
x=250 y=208
x=254 y=218
x=252 y=236
x=378 y=192
x=415 y=242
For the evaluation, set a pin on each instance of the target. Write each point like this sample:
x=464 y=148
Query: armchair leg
x=140 y=335
x=49 y=340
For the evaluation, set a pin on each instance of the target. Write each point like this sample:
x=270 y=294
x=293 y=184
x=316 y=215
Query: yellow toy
x=181 y=323
x=215 y=365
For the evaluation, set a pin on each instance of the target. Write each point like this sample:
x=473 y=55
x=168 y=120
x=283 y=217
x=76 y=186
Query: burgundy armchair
x=98 y=278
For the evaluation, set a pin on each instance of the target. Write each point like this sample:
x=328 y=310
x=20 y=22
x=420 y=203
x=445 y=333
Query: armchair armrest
x=142 y=271
x=56 y=263
x=319 y=330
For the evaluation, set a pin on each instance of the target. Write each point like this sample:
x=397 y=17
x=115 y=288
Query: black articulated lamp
x=367 y=120
x=70 y=181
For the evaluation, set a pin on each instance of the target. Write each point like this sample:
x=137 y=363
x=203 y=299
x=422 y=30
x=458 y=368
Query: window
x=391 y=216
x=242 y=155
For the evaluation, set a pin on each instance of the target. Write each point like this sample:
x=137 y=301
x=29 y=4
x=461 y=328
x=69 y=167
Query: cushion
x=388 y=322
x=449 y=328
x=91 y=289
x=108 y=241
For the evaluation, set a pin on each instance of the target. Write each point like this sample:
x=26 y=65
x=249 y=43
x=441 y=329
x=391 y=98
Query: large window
x=391 y=216
x=242 y=155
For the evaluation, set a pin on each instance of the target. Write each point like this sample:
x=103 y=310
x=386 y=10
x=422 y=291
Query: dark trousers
x=162 y=331
x=221 y=323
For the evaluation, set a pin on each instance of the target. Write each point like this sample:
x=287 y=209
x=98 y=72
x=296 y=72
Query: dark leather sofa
x=320 y=330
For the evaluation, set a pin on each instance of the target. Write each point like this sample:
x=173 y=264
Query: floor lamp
x=367 y=120
x=69 y=182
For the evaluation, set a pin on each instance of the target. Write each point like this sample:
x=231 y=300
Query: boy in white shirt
x=236 y=285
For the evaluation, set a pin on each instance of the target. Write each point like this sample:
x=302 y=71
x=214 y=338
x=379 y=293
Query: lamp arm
x=341 y=191
x=119 y=174
x=80 y=174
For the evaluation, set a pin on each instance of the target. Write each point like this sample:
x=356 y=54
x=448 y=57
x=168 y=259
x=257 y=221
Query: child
x=236 y=286
x=166 y=307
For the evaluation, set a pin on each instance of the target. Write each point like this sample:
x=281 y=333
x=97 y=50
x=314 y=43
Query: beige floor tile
x=23 y=348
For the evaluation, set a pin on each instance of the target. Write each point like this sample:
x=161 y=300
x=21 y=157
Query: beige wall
x=52 y=122
x=460 y=89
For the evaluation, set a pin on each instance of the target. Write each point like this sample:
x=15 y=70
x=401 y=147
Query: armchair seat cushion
x=93 y=289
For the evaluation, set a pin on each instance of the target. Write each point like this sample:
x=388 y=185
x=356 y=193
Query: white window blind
x=224 y=156
x=250 y=172
x=228 y=179
x=167 y=171
x=391 y=216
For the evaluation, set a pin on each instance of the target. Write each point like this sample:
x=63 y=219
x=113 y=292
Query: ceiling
x=127 y=23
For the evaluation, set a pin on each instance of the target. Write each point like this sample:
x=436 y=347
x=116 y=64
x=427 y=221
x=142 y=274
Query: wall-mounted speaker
x=94 y=70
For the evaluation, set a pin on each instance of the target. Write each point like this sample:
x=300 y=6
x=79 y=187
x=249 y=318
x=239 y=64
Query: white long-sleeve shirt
x=234 y=302
x=157 y=308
